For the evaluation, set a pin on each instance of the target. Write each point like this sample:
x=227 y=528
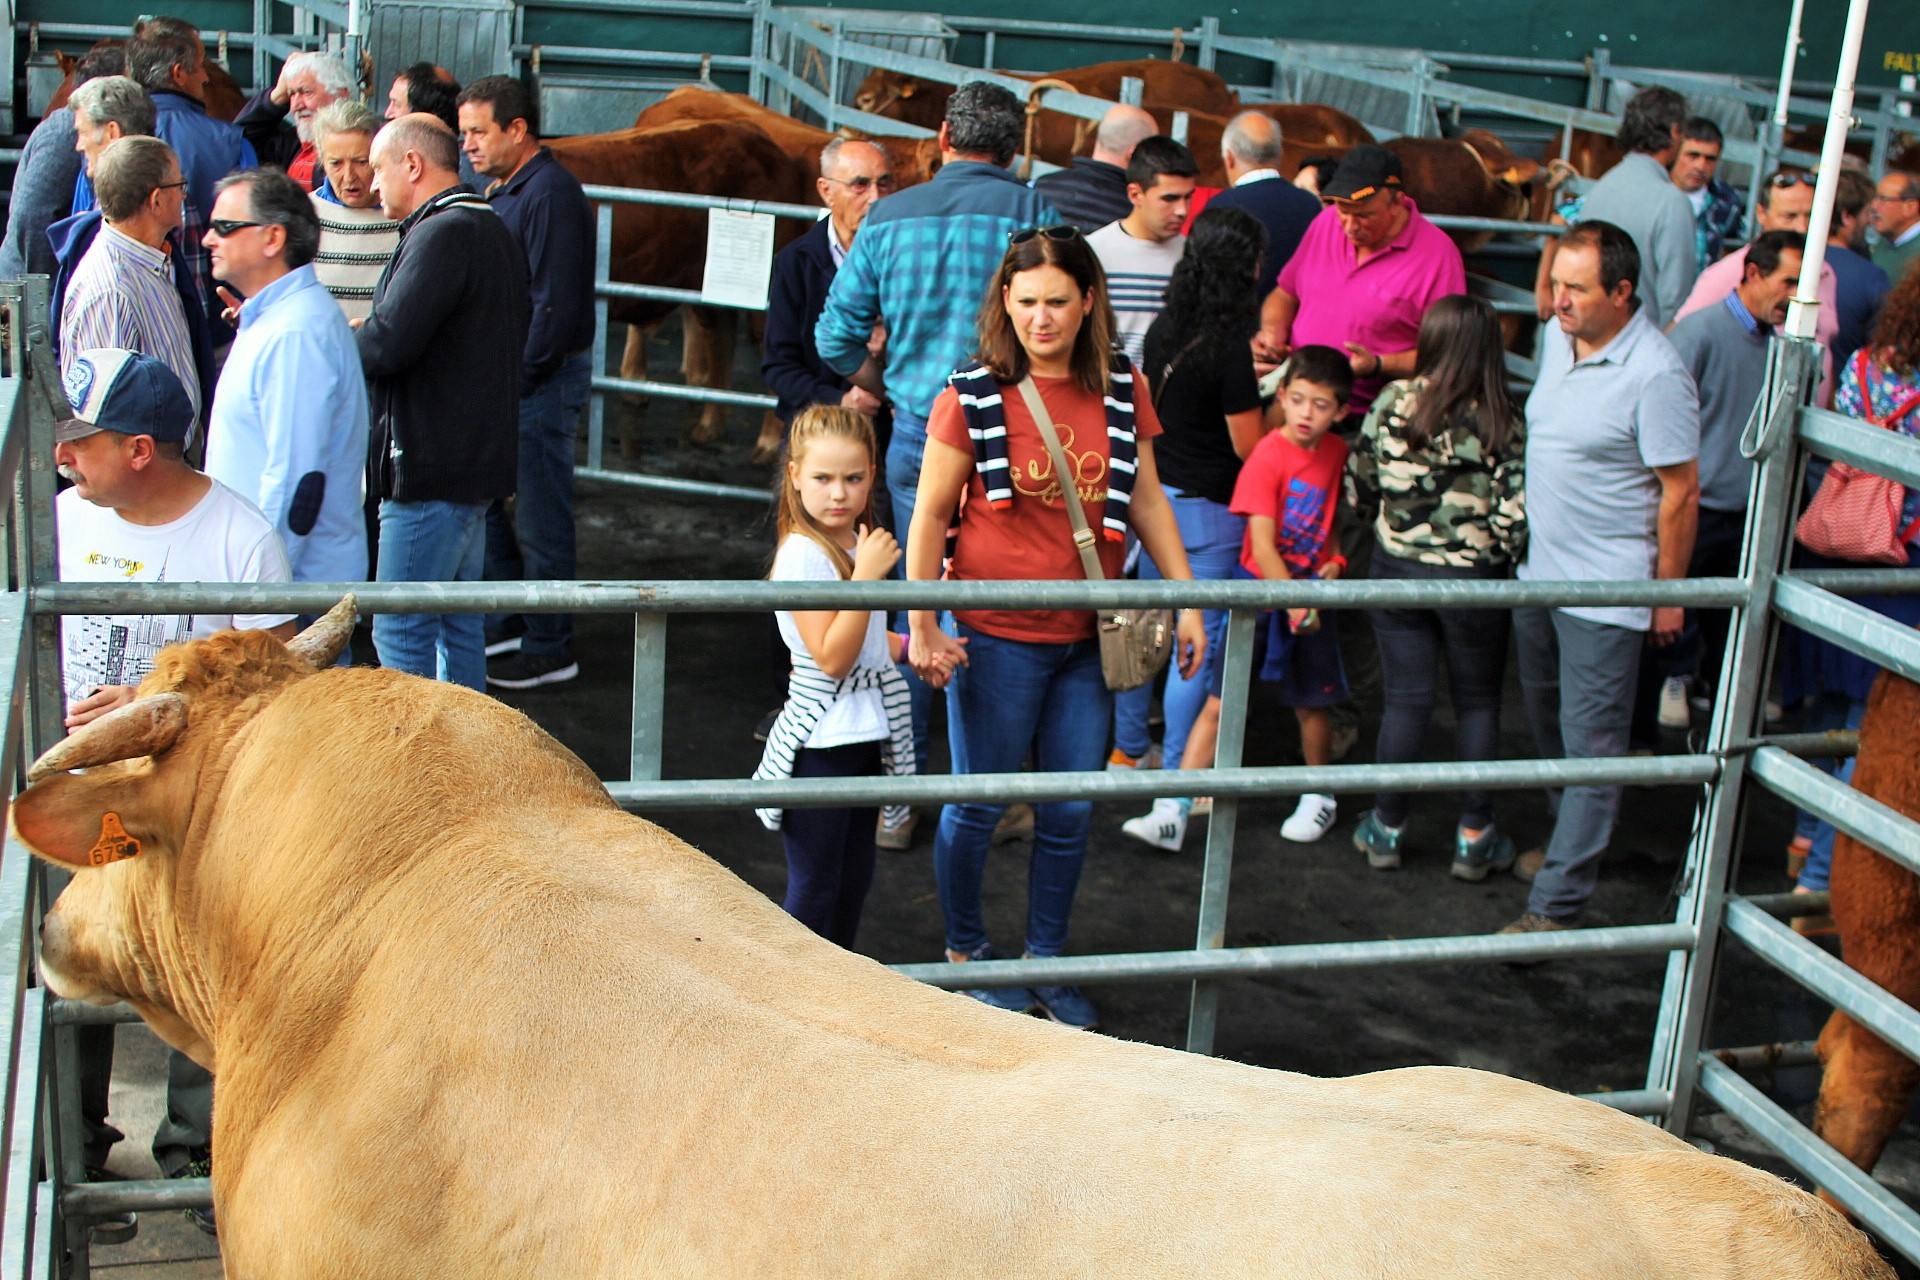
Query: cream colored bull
x=471 y=1021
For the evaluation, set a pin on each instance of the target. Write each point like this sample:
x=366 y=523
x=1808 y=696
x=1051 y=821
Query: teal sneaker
x=1474 y=859
x=1380 y=842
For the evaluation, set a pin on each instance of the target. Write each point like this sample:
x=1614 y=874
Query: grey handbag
x=1134 y=643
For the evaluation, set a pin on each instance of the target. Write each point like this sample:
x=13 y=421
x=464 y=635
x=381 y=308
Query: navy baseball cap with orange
x=1364 y=170
x=113 y=389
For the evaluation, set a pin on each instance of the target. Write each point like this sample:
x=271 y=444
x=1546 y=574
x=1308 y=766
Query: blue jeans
x=904 y=451
x=1010 y=696
x=1829 y=711
x=1212 y=536
x=537 y=541
x=432 y=541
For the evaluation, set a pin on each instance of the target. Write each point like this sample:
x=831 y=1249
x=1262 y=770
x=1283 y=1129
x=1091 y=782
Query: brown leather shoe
x=1528 y=864
x=1532 y=922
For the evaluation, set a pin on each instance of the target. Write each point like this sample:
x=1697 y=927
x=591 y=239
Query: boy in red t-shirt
x=1289 y=487
x=1289 y=490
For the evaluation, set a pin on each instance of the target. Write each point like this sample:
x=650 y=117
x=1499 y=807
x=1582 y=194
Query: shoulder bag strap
x=1063 y=472
x=1863 y=369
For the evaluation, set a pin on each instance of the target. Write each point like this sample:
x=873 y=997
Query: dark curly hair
x=1213 y=299
x=1896 y=335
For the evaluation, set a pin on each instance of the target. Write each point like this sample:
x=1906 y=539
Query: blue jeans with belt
x=1010 y=696
x=1212 y=535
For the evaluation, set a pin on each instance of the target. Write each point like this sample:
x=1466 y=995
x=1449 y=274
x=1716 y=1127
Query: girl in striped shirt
x=846 y=713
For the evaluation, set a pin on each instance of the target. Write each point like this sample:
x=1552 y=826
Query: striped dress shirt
x=122 y=295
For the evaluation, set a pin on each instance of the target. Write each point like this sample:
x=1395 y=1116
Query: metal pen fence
x=46 y=1209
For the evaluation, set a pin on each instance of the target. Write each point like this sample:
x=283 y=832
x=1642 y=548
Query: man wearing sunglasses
x=123 y=281
x=1786 y=204
x=1896 y=221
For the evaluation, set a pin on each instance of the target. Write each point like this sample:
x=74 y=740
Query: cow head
x=121 y=800
x=1517 y=178
x=883 y=92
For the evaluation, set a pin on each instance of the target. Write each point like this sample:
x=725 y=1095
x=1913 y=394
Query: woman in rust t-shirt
x=1019 y=679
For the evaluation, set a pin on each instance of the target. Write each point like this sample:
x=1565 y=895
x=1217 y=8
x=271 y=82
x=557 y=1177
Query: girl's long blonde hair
x=821 y=422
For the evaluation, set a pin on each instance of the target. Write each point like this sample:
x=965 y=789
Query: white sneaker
x=1164 y=828
x=1310 y=820
x=1674 y=711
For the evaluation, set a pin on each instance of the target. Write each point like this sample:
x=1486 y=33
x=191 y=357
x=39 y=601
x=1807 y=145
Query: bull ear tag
x=114 y=844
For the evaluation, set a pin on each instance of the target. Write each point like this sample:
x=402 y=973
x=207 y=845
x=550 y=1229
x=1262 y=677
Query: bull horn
x=144 y=727
x=324 y=641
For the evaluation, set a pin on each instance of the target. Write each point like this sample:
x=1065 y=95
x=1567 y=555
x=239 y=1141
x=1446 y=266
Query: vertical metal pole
x=1179 y=133
x=1209 y=52
x=1800 y=316
x=1132 y=89
x=1216 y=873
x=1599 y=72
x=834 y=50
x=1883 y=132
x=262 y=26
x=1684 y=999
x=986 y=58
x=1788 y=59
x=757 y=78
x=649 y=695
x=602 y=273
x=35 y=354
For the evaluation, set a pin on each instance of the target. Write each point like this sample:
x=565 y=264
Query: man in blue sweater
x=919 y=267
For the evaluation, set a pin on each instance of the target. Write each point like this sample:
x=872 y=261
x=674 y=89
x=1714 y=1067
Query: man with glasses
x=547 y=212
x=123 y=280
x=853 y=175
x=289 y=427
x=1896 y=220
x=1786 y=204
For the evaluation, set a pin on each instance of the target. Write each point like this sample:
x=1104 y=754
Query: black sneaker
x=525 y=670
x=199 y=1168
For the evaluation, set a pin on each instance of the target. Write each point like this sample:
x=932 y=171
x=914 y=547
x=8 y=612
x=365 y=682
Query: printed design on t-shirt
x=118 y=649
x=1037 y=480
x=1302 y=518
x=128 y=569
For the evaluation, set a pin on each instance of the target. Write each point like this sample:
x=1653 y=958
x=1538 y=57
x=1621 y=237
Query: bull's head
x=117 y=800
x=881 y=92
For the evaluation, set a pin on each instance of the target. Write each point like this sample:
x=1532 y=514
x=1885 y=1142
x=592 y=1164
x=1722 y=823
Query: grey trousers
x=1578 y=678
x=186 y=1134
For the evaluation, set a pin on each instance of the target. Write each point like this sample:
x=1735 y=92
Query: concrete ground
x=1581 y=1025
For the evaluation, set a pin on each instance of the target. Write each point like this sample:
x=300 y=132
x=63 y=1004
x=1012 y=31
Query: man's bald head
x=1253 y=139
x=414 y=159
x=1121 y=130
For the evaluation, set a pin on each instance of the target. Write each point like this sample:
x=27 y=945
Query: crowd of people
x=320 y=345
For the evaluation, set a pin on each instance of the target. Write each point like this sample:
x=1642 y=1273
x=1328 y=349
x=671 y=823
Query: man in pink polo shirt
x=1365 y=273
x=1786 y=204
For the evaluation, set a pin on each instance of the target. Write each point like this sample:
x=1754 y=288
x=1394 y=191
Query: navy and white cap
x=112 y=389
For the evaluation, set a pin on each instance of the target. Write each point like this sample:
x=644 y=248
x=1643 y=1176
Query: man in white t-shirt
x=1140 y=251
x=138 y=513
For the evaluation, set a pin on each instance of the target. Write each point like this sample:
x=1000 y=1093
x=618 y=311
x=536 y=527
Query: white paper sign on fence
x=739 y=257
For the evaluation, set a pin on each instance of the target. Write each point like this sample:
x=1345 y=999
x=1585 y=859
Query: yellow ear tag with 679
x=114 y=844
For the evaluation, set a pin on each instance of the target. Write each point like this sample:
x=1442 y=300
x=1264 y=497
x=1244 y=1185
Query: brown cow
x=656 y=245
x=398 y=921
x=1868 y=1085
x=1473 y=176
x=1169 y=87
x=224 y=96
x=913 y=161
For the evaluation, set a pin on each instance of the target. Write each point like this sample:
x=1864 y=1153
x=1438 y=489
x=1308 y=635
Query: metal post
x=1216 y=872
x=834 y=49
x=759 y=41
x=262 y=25
x=1132 y=89
x=1674 y=1061
x=1883 y=132
x=1179 y=133
x=40 y=381
x=649 y=695
x=986 y=58
x=1788 y=59
x=602 y=274
x=1599 y=72
x=1209 y=33
x=1800 y=316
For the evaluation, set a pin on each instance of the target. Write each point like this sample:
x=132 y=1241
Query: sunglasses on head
x=1060 y=231
x=224 y=227
x=1783 y=180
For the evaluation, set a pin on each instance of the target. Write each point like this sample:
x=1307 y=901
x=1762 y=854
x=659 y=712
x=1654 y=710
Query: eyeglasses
x=169 y=186
x=1782 y=180
x=224 y=227
x=1911 y=196
x=1061 y=231
x=863 y=184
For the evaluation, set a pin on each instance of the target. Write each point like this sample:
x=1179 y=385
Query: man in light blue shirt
x=1613 y=493
x=289 y=427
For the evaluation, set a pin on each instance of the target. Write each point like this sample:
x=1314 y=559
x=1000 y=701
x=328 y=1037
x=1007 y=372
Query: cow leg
x=707 y=361
x=1865 y=1090
x=633 y=365
x=773 y=434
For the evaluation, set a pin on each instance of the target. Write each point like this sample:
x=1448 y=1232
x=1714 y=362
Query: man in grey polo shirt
x=1638 y=196
x=1613 y=492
